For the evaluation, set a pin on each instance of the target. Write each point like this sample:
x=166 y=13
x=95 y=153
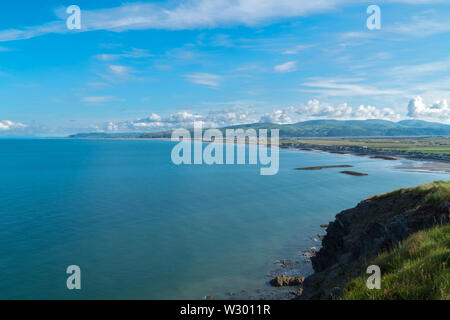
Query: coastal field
x=437 y=145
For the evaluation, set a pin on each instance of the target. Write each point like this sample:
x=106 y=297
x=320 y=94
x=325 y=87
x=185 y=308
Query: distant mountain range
x=317 y=128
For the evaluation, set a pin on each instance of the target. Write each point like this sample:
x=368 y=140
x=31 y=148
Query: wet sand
x=429 y=166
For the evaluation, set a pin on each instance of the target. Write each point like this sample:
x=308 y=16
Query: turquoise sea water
x=142 y=228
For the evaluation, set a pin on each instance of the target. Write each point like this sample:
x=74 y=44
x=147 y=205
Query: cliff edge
x=375 y=226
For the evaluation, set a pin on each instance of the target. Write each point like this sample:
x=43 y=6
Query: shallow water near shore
x=141 y=227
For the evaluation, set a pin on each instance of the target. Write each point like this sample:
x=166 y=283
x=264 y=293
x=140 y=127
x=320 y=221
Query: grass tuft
x=416 y=270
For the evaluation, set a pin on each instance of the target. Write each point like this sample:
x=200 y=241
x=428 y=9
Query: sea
x=140 y=227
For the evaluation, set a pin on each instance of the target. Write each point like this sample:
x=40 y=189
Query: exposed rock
x=297 y=293
x=384 y=157
x=354 y=173
x=324 y=226
x=323 y=167
x=309 y=252
x=377 y=224
x=286 y=263
x=286 y=281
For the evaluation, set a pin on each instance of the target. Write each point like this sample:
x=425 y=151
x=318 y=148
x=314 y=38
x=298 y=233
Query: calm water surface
x=142 y=228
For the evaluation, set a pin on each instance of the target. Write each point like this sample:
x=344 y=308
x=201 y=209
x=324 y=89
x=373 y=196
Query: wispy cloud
x=101 y=99
x=120 y=70
x=179 y=15
x=344 y=88
x=5 y=49
x=133 y=54
x=289 y=66
x=206 y=79
x=298 y=48
x=420 y=69
x=422 y=25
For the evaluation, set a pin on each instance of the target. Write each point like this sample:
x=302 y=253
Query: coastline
x=429 y=162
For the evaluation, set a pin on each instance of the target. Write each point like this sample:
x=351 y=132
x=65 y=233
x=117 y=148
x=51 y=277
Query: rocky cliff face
x=376 y=224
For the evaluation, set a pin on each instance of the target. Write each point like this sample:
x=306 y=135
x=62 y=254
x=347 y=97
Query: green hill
x=319 y=128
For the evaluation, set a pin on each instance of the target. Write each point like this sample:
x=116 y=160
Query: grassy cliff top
x=417 y=269
x=430 y=193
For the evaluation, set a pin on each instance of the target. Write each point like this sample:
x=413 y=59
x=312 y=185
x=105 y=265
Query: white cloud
x=438 y=111
x=119 y=70
x=314 y=109
x=6 y=125
x=101 y=99
x=179 y=15
x=133 y=54
x=206 y=79
x=343 y=111
x=297 y=49
x=344 y=88
x=424 y=25
x=417 y=70
x=277 y=116
x=192 y=14
x=289 y=66
x=186 y=119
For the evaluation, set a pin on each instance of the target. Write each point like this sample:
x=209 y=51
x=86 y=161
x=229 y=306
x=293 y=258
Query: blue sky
x=156 y=65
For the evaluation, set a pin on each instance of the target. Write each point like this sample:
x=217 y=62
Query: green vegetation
x=379 y=134
x=429 y=193
x=337 y=128
x=439 y=145
x=418 y=269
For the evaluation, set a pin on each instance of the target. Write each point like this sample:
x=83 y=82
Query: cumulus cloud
x=278 y=116
x=6 y=125
x=438 y=111
x=343 y=111
x=184 y=119
x=314 y=109
x=289 y=66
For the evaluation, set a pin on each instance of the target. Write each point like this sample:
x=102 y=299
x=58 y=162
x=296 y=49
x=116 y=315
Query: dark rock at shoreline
x=354 y=173
x=298 y=292
x=324 y=226
x=309 y=252
x=285 y=263
x=286 y=281
x=384 y=157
